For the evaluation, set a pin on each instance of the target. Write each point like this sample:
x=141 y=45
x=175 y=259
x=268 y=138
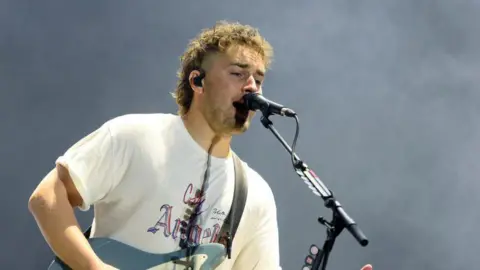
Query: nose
x=251 y=86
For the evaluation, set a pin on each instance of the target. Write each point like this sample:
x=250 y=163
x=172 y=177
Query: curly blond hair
x=211 y=41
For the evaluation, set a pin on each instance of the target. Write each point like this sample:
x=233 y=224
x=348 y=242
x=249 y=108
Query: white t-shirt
x=140 y=171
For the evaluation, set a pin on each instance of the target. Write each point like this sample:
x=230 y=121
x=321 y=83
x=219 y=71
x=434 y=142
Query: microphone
x=255 y=101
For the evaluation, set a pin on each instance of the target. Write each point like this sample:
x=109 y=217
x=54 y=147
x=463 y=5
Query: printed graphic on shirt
x=174 y=227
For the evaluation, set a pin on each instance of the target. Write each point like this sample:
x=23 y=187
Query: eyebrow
x=244 y=65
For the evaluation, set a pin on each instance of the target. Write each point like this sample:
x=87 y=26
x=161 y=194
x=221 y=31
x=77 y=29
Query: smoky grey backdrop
x=387 y=93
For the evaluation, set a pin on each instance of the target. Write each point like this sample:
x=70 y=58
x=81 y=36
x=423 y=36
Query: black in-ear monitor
x=198 y=80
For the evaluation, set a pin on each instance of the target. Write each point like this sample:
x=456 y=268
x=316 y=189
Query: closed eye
x=238 y=74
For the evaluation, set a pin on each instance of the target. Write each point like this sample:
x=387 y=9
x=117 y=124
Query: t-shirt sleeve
x=262 y=251
x=95 y=163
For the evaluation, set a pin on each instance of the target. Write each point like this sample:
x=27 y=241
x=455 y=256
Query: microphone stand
x=340 y=219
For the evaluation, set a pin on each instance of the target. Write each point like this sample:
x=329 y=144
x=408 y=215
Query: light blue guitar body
x=125 y=257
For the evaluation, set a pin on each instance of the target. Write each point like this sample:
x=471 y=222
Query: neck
x=198 y=128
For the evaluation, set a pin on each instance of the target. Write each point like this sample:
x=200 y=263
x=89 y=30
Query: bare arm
x=52 y=205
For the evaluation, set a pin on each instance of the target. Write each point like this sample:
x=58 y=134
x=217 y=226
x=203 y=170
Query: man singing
x=141 y=172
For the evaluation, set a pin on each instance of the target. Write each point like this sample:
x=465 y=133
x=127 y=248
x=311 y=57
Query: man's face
x=228 y=78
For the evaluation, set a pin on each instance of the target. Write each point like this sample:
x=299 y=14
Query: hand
x=367 y=267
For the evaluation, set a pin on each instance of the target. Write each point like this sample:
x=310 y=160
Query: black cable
x=294 y=143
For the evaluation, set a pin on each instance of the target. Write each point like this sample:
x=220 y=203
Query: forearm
x=56 y=219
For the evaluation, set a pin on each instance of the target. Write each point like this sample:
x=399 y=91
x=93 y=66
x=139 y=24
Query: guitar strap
x=234 y=216
x=230 y=224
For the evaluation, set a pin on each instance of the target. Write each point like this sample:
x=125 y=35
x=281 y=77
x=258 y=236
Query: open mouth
x=241 y=110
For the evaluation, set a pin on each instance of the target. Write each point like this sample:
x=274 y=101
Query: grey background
x=387 y=93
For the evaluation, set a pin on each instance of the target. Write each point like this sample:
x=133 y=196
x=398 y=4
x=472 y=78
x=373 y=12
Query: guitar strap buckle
x=229 y=245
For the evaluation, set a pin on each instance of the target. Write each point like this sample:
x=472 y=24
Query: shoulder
x=130 y=132
x=138 y=124
x=135 y=128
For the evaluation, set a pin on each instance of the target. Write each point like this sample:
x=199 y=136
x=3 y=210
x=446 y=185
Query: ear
x=196 y=81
